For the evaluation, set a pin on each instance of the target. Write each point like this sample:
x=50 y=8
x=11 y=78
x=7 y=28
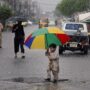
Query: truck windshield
x=74 y=27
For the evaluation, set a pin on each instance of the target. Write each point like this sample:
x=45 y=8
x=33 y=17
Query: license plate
x=73 y=44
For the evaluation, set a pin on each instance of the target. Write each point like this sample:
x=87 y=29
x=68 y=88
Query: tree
x=5 y=13
x=69 y=7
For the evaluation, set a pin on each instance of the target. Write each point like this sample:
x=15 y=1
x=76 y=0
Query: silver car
x=78 y=34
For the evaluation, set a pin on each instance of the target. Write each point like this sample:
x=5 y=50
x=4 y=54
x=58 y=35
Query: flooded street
x=29 y=73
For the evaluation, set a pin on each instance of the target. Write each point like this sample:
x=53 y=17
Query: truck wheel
x=61 y=49
x=85 y=51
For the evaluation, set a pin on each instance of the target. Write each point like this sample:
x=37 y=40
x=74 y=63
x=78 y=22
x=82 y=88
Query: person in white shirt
x=53 y=67
x=1 y=27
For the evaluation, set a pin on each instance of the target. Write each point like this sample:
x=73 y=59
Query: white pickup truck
x=78 y=37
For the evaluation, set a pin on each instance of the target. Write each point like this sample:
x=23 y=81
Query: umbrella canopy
x=43 y=38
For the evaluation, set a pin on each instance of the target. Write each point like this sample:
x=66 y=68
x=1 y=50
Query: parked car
x=51 y=23
x=29 y=22
x=88 y=27
x=24 y=23
x=43 y=22
x=78 y=37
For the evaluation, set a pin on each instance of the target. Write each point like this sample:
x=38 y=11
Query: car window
x=74 y=27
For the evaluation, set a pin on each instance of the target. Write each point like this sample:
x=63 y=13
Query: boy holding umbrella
x=53 y=66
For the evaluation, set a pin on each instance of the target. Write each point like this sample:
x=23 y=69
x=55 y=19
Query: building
x=82 y=17
x=48 y=5
x=24 y=1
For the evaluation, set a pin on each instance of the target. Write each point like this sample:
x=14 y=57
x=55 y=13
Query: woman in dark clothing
x=19 y=38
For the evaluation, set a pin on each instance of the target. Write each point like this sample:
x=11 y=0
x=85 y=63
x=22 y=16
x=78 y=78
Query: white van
x=78 y=37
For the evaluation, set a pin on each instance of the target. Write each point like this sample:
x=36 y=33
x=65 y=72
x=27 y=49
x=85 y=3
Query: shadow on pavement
x=32 y=80
x=74 y=54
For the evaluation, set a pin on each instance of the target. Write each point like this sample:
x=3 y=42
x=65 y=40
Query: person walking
x=1 y=28
x=19 y=38
x=53 y=66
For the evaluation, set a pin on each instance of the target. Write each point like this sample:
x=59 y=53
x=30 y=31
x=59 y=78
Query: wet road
x=73 y=66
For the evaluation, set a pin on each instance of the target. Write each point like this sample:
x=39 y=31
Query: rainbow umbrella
x=44 y=37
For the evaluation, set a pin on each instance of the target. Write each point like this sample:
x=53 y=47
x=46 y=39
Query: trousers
x=53 y=68
x=18 y=43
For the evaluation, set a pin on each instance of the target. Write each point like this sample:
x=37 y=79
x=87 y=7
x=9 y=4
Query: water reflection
x=52 y=86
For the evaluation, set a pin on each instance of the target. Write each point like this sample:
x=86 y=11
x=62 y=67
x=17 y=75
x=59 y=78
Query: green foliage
x=81 y=5
x=69 y=7
x=5 y=12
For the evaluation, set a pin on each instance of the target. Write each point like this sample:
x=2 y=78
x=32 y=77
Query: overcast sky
x=47 y=5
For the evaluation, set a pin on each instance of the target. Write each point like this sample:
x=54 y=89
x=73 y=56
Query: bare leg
x=55 y=75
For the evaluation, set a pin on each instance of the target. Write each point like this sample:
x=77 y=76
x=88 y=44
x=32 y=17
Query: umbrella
x=44 y=37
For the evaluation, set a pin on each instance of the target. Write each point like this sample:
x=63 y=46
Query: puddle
x=41 y=84
x=32 y=80
x=19 y=79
